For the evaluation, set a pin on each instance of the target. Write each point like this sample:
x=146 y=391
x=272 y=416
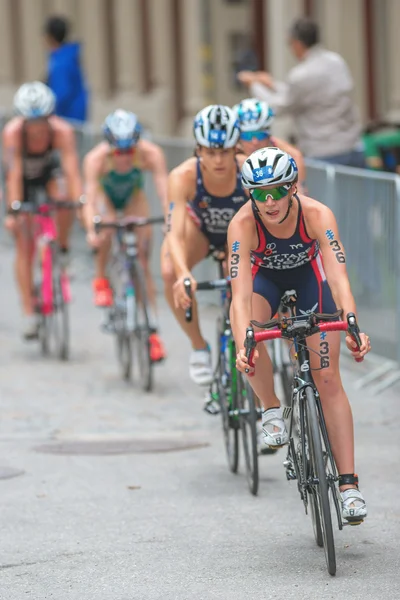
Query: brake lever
x=250 y=345
x=188 y=289
x=354 y=331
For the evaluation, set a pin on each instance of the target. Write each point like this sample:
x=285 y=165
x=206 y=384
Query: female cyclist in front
x=282 y=241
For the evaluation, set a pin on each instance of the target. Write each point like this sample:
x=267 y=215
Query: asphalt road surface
x=95 y=512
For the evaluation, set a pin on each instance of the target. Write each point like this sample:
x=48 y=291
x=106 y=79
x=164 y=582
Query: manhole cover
x=8 y=473
x=106 y=447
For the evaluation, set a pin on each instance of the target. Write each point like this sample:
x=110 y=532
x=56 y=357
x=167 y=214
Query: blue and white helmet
x=269 y=166
x=216 y=126
x=122 y=129
x=34 y=100
x=254 y=115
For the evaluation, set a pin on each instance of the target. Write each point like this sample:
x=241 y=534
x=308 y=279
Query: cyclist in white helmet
x=39 y=152
x=114 y=182
x=281 y=241
x=255 y=119
x=204 y=194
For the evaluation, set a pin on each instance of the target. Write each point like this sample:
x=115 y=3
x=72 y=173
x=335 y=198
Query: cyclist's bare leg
x=56 y=189
x=23 y=261
x=197 y=247
x=262 y=381
x=106 y=210
x=335 y=404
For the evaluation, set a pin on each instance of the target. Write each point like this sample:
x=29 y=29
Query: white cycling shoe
x=200 y=369
x=274 y=428
x=354 y=509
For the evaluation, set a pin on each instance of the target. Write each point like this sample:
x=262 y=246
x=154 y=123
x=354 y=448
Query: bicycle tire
x=230 y=425
x=60 y=317
x=317 y=471
x=248 y=425
x=142 y=329
x=124 y=353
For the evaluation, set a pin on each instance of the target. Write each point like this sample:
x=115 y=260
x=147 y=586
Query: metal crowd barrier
x=367 y=207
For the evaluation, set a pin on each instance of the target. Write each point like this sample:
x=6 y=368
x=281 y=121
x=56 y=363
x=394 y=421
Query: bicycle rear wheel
x=59 y=319
x=248 y=426
x=319 y=486
x=142 y=331
x=123 y=338
x=53 y=307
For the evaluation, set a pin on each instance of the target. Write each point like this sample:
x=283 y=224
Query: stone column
x=343 y=31
x=392 y=53
x=92 y=19
x=33 y=48
x=192 y=62
x=6 y=65
x=127 y=44
x=279 y=15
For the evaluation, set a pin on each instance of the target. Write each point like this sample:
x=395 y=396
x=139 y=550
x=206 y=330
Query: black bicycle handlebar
x=18 y=207
x=126 y=224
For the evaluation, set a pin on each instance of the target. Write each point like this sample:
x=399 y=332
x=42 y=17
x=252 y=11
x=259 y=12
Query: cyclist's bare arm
x=241 y=239
x=298 y=157
x=66 y=144
x=321 y=225
x=153 y=160
x=93 y=169
x=181 y=187
x=12 y=161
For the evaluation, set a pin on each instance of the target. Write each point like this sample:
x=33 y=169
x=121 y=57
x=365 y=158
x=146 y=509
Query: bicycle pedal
x=353 y=523
x=107 y=328
x=212 y=407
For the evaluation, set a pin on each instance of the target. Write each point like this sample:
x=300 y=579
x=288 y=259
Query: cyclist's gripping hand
x=242 y=364
x=364 y=349
x=181 y=297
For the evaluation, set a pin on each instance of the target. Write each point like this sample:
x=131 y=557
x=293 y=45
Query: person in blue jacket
x=65 y=75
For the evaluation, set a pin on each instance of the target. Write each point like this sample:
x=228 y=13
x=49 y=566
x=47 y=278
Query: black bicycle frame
x=302 y=379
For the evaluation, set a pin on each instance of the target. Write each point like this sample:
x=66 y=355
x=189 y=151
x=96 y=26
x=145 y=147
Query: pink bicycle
x=51 y=288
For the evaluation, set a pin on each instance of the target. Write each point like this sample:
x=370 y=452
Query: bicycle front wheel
x=319 y=483
x=248 y=425
x=223 y=386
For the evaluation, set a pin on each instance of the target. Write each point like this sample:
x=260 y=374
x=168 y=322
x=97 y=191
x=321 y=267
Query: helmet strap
x=288 y=211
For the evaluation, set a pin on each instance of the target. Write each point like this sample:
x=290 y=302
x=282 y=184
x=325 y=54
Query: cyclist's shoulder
x=184 y=177
x=150 y=154
x=62 y=130
x=96 y=157
x=240 y=157
x=243 y=220
x=13 y=129
x=186 y=171
x=316 y=214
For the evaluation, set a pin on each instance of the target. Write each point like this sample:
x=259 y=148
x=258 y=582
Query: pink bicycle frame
x=45 y=233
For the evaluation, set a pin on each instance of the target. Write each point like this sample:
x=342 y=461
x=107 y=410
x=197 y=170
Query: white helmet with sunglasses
x=269 y=167
x=122 y=129
x=254 y=115
x=34 y=100
x=216 y=126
